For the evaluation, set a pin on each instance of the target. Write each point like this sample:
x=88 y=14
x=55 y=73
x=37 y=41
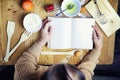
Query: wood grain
x=0 y=29
x=11 y=10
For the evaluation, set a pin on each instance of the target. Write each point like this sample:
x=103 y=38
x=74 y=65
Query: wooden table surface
x=11 y=10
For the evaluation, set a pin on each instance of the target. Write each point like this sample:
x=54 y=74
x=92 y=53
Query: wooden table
x=11 y=10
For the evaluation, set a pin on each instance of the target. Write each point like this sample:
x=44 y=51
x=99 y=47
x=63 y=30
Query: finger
x=45 y=21
x=95 y=28
x=94 y=35
x=47 y=25
x=98 y=33
x=50 y=30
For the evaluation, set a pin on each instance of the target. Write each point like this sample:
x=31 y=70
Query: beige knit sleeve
x=89 y=63
x=26 y=67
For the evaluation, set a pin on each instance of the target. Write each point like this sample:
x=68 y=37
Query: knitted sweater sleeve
x=89 y=63
x=26 y=67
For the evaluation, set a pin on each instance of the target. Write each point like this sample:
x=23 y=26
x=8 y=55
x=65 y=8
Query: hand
x=45 y=32
x=97 y=39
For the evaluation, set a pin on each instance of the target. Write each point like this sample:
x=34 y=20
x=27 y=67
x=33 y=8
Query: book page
x=61 y=37
x=82 y=33
x=109 y=21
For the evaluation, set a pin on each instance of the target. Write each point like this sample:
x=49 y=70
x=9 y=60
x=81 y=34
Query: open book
x=109 y=20
x=71 y=33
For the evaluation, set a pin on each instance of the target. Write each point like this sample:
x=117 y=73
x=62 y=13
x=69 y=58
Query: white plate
x=74 y=11
x=32 y=22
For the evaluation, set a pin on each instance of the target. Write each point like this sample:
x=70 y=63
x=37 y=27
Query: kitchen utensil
x=95 y=1
x=101 y=17
x=10 y=31
x=65 y=60
x=70 y=6
x=57 y=53
x=24 y=36
x=75 y=11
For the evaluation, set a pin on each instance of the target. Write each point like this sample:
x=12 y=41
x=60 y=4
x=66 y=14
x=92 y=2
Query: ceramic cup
x=32 y=22
x=75 y=11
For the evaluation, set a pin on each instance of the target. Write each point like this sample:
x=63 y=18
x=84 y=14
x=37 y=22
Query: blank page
x=61 y=37
x=82 y=33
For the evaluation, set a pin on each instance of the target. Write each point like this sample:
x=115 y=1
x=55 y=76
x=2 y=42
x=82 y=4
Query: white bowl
x=32 y=22
x=74 y=11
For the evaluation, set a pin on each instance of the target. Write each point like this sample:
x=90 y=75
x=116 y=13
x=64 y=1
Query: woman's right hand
x=45 y=32
x=97 y=39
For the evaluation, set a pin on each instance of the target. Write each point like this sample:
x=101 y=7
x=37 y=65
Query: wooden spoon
x=10 y=31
